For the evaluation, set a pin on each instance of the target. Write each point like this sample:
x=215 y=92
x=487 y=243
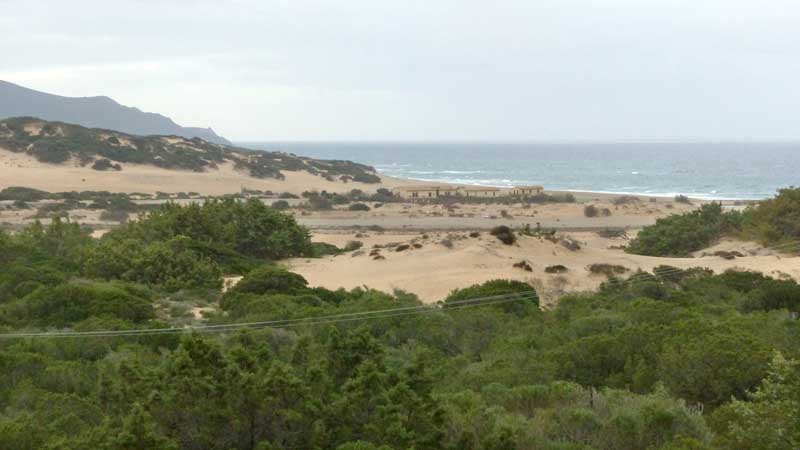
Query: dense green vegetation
x=57 y=142
x=772 y=222
x=678 y=360
x=682 y=234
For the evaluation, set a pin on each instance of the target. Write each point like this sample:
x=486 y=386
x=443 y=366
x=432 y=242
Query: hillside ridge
x=94 y=112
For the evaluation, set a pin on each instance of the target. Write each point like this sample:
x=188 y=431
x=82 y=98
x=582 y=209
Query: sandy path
x=474 y=223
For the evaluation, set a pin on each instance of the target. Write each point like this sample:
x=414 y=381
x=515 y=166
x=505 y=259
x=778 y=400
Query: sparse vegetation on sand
x=57 y=142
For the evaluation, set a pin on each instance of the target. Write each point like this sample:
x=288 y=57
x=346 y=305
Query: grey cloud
x=549 y=69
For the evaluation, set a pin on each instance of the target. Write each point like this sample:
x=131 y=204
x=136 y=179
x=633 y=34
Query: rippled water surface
x=718 y=170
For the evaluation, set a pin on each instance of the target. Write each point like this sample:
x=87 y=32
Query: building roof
x=417 y=188
x=480 y=188
x=528 y=187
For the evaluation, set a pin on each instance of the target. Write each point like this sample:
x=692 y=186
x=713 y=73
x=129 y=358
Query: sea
x=703 y=170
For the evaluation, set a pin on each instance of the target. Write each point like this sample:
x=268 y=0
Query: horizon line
x=520 y=141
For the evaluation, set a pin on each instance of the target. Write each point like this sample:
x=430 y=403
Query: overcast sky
x=424 y=70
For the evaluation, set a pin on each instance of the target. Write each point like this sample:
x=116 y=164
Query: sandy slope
x=434 y=270
x=17 y=169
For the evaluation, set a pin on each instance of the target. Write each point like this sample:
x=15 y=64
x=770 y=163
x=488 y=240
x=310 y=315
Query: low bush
x=267 y=280
x=495 y=288
x=627 y=200
x=523 y=265
x=23 y=194
x=504 y=234
x=590 y=211
x=609 y=270
x=558 y=268
x=280 y=205
x=105 y=164
x=358 y=207
x=353 y=245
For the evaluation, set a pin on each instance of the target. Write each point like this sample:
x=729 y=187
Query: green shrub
x=320 y=249
x=775 y=221
x=66 y=304
x=269 y=279
x=494 y=288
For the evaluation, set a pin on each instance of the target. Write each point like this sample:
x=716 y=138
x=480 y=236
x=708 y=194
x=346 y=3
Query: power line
x=353 y=316
x=288 y=323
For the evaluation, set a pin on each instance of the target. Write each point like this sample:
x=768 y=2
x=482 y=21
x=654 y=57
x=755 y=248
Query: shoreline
x=660 y=195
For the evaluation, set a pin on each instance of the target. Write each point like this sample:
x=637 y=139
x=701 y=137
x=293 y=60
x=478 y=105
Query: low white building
x=526 y=191
x=429 y=192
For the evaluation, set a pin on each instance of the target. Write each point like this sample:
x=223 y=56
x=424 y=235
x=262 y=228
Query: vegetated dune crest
x=20 y=169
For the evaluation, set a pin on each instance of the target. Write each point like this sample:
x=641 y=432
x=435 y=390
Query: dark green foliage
x=65 y=304
x=250 y=228
x=679 y=235
x=777 y=220
x=674 y=360
x=495 y=288
x=602 y=371
x=269 y=280
x=771 y=417
x=773 y=222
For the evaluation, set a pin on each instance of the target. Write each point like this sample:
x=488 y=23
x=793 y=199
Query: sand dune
x=434 y=270
x=18 y=169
